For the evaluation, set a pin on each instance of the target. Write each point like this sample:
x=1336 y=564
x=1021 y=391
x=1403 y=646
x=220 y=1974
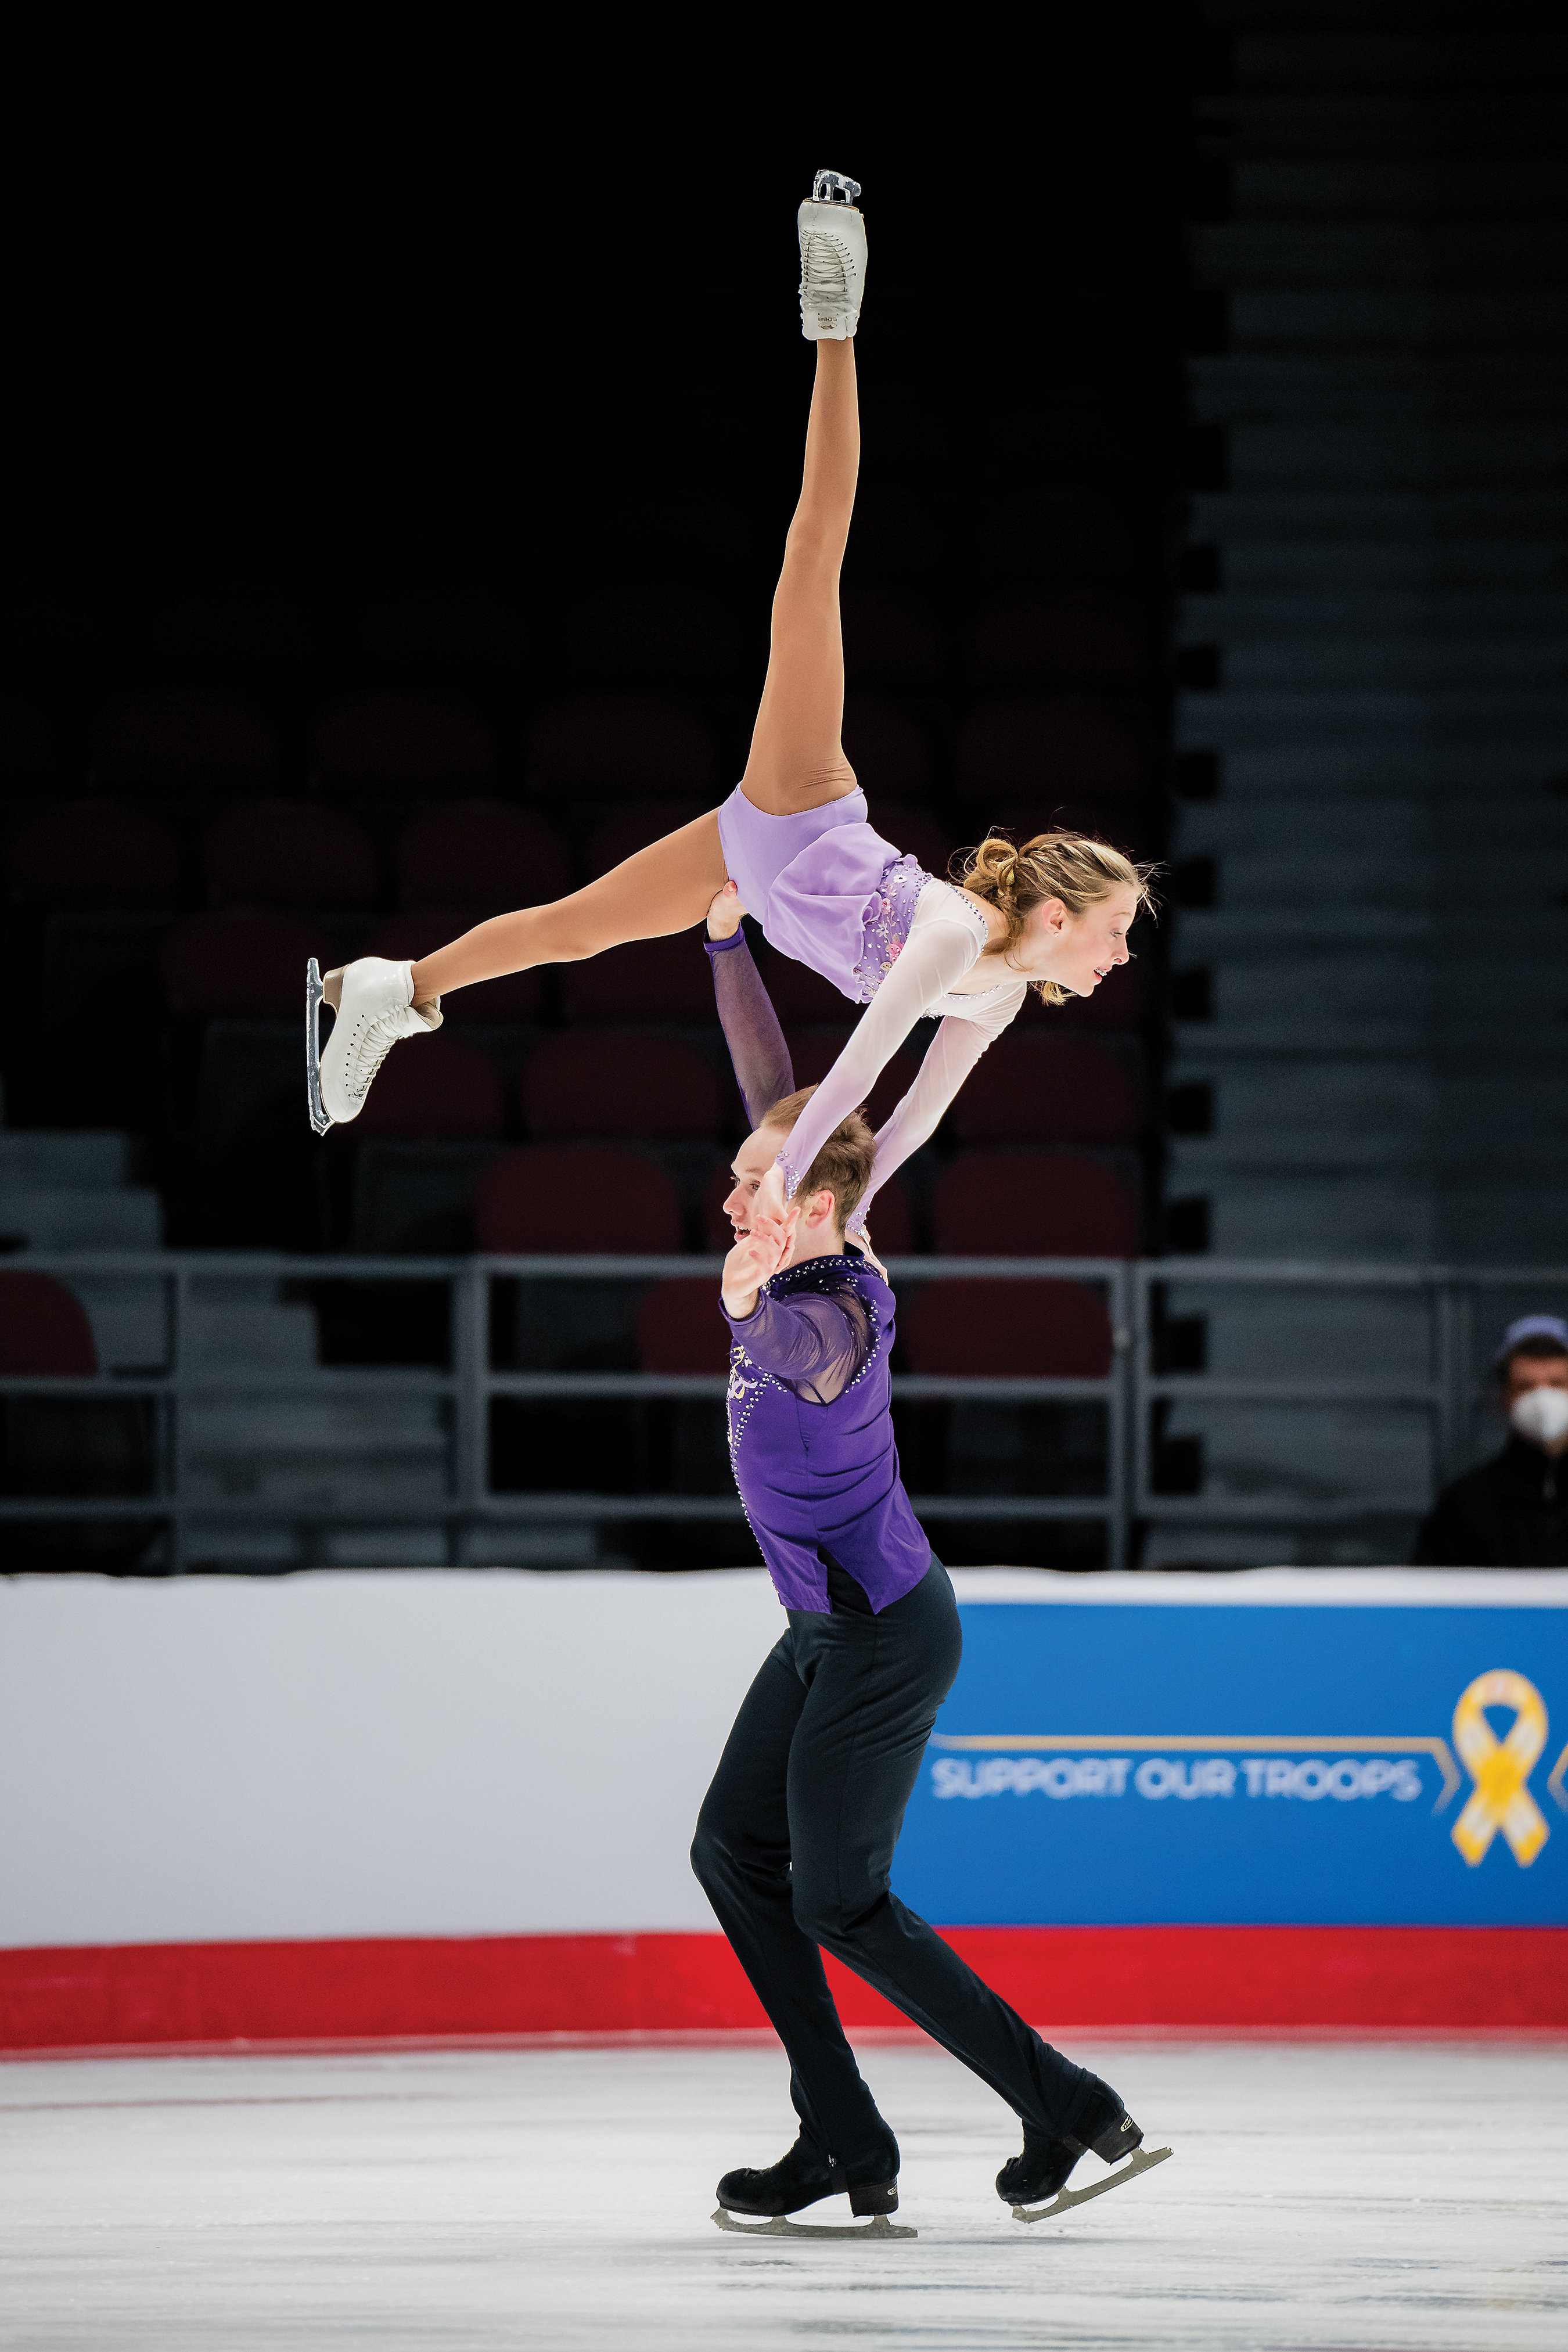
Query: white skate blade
x=879 y=2226
x=1143 y=2160
x=319 y=1118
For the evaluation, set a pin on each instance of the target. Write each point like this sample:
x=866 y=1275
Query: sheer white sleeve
x=951 y=1054
x=935 y=956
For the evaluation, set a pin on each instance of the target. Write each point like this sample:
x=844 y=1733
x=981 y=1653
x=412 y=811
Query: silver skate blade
x=319 y=1118
x=879 y=2226
x=1143 y=2160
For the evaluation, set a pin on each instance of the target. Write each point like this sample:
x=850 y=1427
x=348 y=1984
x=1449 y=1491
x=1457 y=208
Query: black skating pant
x=794 y=1847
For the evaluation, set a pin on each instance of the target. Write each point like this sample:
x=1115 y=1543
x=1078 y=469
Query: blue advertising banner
x=1315 y=1750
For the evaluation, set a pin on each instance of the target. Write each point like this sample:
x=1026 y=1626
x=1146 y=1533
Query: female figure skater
x=794 y=1843
x=795 y=838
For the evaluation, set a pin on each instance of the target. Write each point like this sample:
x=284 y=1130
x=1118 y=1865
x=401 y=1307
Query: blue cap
x=1530 y=1327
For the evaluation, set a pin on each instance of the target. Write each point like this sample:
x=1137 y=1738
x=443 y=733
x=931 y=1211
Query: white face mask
x=1542 y=1415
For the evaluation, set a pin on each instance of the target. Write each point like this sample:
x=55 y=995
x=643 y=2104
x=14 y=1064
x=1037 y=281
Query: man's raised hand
x=724 y=915
x=755 y=1257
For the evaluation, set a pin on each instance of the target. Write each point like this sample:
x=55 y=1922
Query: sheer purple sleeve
x=752 y=1030
x=815 y=1344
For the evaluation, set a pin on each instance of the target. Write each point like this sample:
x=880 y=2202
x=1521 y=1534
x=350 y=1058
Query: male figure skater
x=794 y=1843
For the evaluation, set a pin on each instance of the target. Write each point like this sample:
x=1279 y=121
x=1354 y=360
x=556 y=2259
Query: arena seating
x=44 y=1329
x=679 y=1329
x=394 y=743
x=549 y=1199
x=895 y=639
x=239 y=961
x=465 y=634
x=443 y=1089
x=622 y=835
x=651 y=633
x=617 y=747
x=90 y=854
x=888 y=749
x=479 y=854
x=288 y=854
x=1058 y=637
x=605 y=1083
x=1041 y=1331
x=184 y=743
x=1047 y=1090
x=1041 y=1204
x=648 y=980
x=1061 y=532
x=256 y=631
x=1017 y=747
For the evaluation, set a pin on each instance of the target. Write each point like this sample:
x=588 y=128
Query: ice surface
x=1358 y=2195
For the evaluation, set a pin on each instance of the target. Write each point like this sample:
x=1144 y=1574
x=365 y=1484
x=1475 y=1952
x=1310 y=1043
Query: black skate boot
x=1043 y=2170
x=805 y=2177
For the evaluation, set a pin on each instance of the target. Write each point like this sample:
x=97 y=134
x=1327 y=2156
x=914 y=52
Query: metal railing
x=1131 y=1392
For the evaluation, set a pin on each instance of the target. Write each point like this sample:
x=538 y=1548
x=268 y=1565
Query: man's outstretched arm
x=752 y=1030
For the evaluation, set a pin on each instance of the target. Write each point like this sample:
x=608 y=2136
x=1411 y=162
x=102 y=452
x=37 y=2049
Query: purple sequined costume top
x=826 y=887
x=822 y=1477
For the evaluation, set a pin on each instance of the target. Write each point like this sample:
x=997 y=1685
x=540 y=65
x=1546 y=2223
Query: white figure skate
x=832 y=260
x=374 y=1007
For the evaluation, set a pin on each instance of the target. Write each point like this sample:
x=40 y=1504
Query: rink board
x=350 y=1805
x=1240 y=1764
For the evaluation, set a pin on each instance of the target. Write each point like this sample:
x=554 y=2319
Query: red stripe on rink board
x=435 y=1988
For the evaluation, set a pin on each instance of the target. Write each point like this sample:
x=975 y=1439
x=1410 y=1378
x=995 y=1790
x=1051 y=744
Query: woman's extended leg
x=796 y=758
x=666 y=887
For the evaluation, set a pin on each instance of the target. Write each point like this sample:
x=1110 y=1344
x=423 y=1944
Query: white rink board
x=343 y=1754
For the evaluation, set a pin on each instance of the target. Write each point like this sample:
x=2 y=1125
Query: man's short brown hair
x=843 y=1166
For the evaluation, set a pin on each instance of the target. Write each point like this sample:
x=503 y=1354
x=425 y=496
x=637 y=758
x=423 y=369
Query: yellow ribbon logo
x=1500 y=1768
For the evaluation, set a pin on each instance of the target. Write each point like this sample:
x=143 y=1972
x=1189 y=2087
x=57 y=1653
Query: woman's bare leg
x=797 y=757
x=666 y=887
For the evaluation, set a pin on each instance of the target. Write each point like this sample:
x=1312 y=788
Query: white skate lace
x=364 y=1057
x=824 y=272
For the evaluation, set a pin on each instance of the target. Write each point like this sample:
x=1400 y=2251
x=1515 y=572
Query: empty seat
x=434 y=1089
x=1018 y=1330
x=231 y=629
x=604 y=1084
x=648 y=979
x=1058 y=637
x=546 y=1198
x=251 y=965
x=514 y=997
x=619 y=746
x=650 y=634
x=621 y=836
x=1047 y=1090
x=479 y=854
x=399 y=743
x=680 y=1328
x=28 y=746
x=184 y=741
x=1063 y=746
x=1032 y=1204
x=288 y=854
x=90 y=854
x=893 y=638
x=44 y=1329
x=1062 y=535
x=889 y=750
x=453 y=633
x=891 y=1218
x=416 y=1197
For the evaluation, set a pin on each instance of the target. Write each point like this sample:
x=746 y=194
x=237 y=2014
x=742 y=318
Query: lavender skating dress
x=826 y=887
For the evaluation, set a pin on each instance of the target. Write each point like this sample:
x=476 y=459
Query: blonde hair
x=1017 y=876
x=843 y=1166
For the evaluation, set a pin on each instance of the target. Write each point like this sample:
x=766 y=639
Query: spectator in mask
x=1513 y=1511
